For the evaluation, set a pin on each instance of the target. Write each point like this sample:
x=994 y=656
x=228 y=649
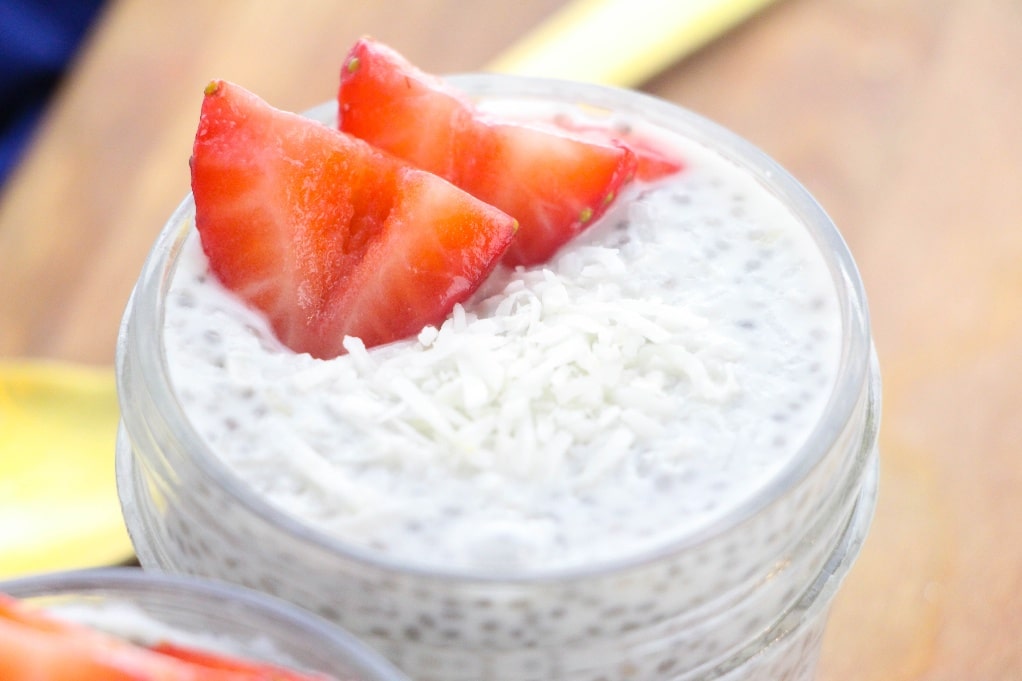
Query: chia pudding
x=652 y=457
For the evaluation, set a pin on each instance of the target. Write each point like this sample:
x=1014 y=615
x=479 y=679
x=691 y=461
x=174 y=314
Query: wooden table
x=904 y=117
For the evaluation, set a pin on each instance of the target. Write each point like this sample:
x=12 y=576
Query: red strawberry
x=554 y=183
x=328 y=236
x=652 y=162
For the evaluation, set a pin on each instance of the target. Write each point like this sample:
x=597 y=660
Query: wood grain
x=901 y=116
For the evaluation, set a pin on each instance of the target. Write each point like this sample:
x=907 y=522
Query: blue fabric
x=38 y=39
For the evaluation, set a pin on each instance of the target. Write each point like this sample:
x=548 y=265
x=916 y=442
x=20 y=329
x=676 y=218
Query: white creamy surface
x=631 y=391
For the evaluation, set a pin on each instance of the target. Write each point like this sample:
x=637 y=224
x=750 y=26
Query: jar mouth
x=857 y=376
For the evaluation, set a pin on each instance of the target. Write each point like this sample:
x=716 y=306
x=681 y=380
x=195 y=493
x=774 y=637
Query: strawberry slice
x=652 y=162
x=555 y=184
x=327 y=236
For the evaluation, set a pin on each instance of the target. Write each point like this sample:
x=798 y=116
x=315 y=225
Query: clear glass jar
x=154 y=607
x=745 y=598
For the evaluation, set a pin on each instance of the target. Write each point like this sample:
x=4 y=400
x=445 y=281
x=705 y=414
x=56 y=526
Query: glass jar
x=152 y=607
x=745 y=597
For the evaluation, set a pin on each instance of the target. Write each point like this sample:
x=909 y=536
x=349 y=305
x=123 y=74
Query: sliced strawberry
x=554 y=183
x=653 y=165
x=327 y=236
x=409 y=276
x=652 y=161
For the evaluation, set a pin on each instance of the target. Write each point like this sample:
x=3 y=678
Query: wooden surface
x=904 y=117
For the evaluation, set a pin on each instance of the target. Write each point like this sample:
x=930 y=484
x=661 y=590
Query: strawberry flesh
x=328 y=236
x=554 y=183
x=652 y=162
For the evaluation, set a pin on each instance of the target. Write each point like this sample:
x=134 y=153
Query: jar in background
x=154 y=607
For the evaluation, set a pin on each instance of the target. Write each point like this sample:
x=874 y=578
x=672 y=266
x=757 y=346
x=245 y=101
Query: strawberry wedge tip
x=554 y=183
x=327 y=236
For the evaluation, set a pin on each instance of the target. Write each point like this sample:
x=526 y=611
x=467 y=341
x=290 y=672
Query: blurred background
x=901 y=116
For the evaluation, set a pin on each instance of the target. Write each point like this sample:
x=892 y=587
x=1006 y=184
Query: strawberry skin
x=554 y=183
x=327 y=236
